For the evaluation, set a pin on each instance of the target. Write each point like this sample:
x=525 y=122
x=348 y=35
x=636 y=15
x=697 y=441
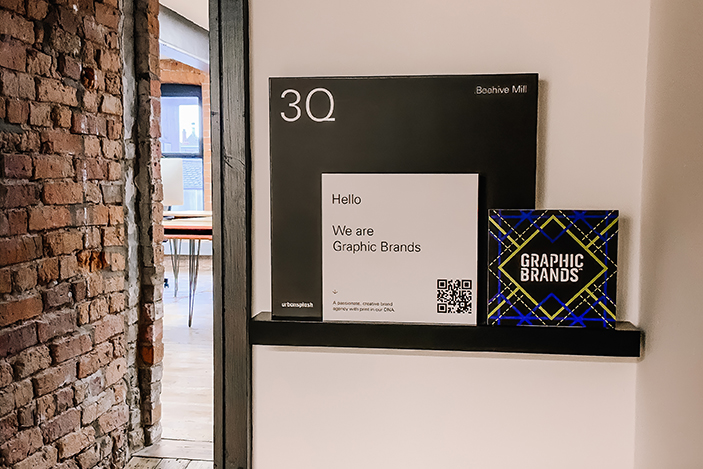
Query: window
x=181 y=138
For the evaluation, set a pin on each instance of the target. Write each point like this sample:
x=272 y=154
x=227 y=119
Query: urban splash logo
x=552 y=267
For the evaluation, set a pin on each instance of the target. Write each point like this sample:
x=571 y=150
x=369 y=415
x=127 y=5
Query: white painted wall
x=670 y=378
x=337 y=408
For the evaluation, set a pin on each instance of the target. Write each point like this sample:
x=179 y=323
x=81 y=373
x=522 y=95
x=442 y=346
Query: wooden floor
x=151 y=463
x=187 y=384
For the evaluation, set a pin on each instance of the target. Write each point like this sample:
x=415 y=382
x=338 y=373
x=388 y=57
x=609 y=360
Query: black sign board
x=484 y=124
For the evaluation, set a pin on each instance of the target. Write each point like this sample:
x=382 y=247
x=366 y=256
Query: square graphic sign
x=552 y=268
x=454 y=124
x=399 y=247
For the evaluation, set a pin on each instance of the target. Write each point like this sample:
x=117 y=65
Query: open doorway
x=187 y=382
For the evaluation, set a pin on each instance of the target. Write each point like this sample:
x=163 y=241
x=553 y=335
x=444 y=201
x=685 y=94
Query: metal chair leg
x=193 y=265
x=175 y=247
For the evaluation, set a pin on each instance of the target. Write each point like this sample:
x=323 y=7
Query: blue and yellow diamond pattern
x=587 y=302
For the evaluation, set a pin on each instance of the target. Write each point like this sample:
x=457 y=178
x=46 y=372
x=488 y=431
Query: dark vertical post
x=229 y=75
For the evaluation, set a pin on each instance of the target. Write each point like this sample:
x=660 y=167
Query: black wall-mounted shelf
x=624 y=341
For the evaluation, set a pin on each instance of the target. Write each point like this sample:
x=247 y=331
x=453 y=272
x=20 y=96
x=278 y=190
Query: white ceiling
x=195 y=10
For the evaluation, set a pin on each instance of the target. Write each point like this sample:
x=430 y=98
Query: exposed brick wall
x=150 y=212
x=68 y=336
x=173 y=71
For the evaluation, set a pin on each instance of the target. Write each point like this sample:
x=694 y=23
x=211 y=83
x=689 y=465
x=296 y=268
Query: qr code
x=454 y=296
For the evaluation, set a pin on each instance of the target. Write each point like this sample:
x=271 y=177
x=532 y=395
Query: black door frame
x=231 y=194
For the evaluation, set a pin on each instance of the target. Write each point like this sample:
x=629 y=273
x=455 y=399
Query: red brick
x=98 y=309
x=7 y=400
x=68 y=19
x=75 y=442
x=44 y=459
x=93 y=31
x=24 y=444
x=68 y=266
x=99 y=357
x=70 y=347
x=112 y=40
x=114 y=171
x=46 y=408
x=100 y=125
x=18 y=310
x=25 y=278
x=9 y=84
x=89 y=457
x=18 y=195
x=13 y=55
x=118 y=302
x=37 y=9
x=69 y=67
x=91 y=261
x=114 y=282
x=62 y=142
x=53 y=167
x=93 y=238
x=61 y=116
x=115 y=371
x=91 y=168
x=48 y=270
x=90 y=101
x=113 y=236
x=63 y=242
x=152 y=354
x=91 y=215
x=95 y=284
x=8 y=427
x=64 y=41
x=57 y=295
x=107 y=16
x=40 y=114
x=60 y=193
x=92 y=146
x=64 y=399
x=5 y=282
x=14 y=5
x=113 y=83
x=15 y=339
x=114 y=129
x=38 y=63
x=26 y=89
x=115 y=417
x=31 y=360
x=112 y=149
x=20 y=249
x=17 y=222
x=6 y=374
x=153 y=332
x=29 y=142
x=116 y=214
x=16 y=26
x=48 y=217
x=92 y=192
x=109 y=61
x=26 y=415
x=53 y=91
x=16 y=166
x=23 y=393
x=59 y=426
x=53 y=378
x=17 y=111
x=116 y=261
x=99 y=407
x=56 y=324
x=108 y=327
